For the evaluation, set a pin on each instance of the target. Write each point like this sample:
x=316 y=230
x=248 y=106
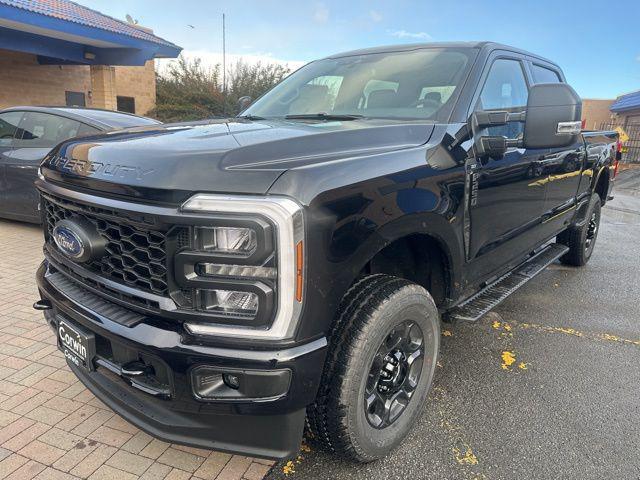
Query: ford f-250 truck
x=226 y=283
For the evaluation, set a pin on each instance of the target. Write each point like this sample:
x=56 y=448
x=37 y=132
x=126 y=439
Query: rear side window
x=44 y=130
x=8 y=126
x=544 y=75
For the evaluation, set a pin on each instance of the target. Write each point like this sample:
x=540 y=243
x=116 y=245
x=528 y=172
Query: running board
x=490 y=296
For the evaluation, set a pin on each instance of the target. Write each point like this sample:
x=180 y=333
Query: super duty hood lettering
x=88 y=168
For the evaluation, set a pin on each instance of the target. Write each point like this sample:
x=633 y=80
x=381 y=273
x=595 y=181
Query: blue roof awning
x=61 y=31
x=630 y=101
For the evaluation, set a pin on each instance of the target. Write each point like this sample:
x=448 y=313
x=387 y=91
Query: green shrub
x=189 y=91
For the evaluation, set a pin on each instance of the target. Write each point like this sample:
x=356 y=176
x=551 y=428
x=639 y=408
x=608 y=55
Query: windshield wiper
x=250 y=117
x=323 y=116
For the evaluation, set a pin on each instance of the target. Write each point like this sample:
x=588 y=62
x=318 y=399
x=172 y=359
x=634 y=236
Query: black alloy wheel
x=394 y=374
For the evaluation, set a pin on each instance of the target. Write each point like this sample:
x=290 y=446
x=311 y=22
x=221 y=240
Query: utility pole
x=224 y=61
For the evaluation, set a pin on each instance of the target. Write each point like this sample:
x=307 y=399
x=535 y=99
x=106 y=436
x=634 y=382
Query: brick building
x=56 y=52
x=626 y=109
x=595 y=112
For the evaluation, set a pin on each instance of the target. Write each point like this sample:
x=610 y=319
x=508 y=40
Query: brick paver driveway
x=51 y=427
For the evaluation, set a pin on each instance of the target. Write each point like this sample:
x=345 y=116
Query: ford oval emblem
x=68 y=242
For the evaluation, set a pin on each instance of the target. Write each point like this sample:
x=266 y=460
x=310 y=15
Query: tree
x=252 y=80
x=189 y=91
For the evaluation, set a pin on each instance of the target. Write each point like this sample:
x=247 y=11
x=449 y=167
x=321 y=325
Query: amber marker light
x=299 y=265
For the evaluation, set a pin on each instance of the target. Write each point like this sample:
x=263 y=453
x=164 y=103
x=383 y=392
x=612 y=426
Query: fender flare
x=429 y=224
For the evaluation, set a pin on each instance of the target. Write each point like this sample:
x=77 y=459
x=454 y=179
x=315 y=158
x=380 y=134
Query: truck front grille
x=136 y=256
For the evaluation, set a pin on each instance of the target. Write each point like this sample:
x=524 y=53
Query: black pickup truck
x=229 y=283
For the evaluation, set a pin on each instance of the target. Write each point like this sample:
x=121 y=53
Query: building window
x=74 y=99
x=126 y=104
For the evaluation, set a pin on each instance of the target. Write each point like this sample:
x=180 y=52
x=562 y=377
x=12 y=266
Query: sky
x=596 y=43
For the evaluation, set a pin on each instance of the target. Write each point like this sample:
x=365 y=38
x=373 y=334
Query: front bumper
x=269 y=428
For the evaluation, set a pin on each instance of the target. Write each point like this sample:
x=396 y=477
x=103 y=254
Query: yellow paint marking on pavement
x=523 y=366
x=615 y=338
x=568 y=331
x=577 y=333
x=447 y=333
x=508 y=359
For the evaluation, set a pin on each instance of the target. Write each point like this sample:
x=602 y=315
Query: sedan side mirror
x=244 y=102
x=553 y=116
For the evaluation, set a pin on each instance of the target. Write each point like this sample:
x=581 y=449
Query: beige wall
x=139 y=83
x=595 y=112
x=24 y=82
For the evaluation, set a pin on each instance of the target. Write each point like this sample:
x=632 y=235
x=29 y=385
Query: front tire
x=581 y=239
x=380 y=366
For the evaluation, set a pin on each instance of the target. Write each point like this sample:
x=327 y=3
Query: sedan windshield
x=416 y=84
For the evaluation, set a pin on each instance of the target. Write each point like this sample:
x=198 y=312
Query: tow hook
x=42 y=305
x=136 y=369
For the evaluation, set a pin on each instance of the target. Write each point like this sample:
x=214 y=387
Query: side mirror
x=493 y=146
x=553 y=116
x=552 y=120
x=244 y=102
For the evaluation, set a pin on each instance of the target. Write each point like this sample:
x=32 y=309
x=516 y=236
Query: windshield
x=417 y=84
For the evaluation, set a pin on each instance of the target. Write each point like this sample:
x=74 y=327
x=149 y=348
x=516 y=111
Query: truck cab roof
x=485 y=46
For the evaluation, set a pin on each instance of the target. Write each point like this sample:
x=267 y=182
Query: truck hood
x=169 y=162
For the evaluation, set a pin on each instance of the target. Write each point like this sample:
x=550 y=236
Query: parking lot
x=544 y=387
x=567 y=407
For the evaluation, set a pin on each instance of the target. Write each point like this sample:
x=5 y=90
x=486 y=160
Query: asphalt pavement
x=547 y=386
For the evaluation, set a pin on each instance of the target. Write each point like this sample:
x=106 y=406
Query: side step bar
x=490 y=296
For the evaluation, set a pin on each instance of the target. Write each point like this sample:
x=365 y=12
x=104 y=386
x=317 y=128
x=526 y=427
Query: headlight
x=246 y=266
x=231 y=240
x=229 y=301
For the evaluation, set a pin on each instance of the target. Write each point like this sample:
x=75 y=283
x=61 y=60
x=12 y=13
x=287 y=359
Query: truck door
x=507 y=194
x=562 y=166
x=8 y=126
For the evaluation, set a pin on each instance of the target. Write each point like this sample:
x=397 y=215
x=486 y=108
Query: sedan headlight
x=245 y=265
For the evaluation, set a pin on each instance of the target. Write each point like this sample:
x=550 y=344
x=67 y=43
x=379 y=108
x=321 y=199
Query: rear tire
x=581 y=239
x=382 y=356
